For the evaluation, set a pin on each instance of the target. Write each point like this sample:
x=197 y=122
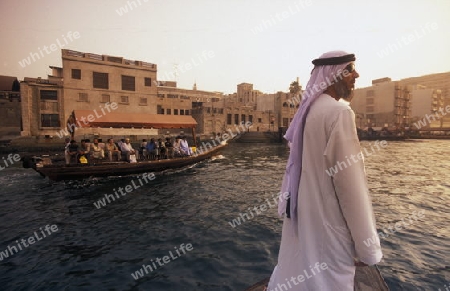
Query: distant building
x=398 y=104
x=10 y=107
x=204 y=106
x=88 y=82
x=426 y=101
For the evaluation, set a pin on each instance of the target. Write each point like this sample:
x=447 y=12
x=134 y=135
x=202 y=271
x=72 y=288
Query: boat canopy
x=97 y=118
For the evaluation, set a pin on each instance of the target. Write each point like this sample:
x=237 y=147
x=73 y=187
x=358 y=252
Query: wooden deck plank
x=366 y=279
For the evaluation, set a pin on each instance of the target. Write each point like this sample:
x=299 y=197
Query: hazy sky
x=221 y=43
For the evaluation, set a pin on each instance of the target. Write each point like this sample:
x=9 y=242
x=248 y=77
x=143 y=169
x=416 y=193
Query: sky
x=219 y=44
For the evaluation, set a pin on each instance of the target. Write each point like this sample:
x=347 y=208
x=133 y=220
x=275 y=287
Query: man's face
x=111 y=141
x=127 y=141
x=344 y=88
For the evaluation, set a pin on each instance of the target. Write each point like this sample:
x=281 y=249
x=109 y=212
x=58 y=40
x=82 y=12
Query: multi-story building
x=10 y=117
x=439 y=81
x=384 y=104
x=426 y=101
x=88 y=82
x=94 y=82
x=204 y=106
x=398 y=104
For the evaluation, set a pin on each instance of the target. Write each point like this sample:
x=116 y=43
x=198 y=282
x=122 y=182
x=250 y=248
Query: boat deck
x=366 y=279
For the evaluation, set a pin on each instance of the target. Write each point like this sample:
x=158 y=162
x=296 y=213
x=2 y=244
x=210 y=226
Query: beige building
x=439 y=81
x=88 y=82
x=10 y=107
x=398 y=104
x=94 y=82
x=206 y=107
x=426 y=101
x=384 y=104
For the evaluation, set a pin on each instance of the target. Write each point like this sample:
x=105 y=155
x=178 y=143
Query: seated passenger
x=184 y=147
x=177 y=147
x=112 y=149
x=128 y=151
x=96 y=151
x=83 y=150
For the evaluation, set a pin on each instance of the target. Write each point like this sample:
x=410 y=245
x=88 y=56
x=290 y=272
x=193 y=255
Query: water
x=99 y=249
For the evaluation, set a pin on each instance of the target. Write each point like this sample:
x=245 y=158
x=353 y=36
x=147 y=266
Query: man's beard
x=342 y=91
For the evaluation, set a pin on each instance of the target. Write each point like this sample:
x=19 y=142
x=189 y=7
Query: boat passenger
x=72 y=152
x=66 y=150
x=112 y=149
x=120 y=142
x=162 y=149
x=128 y=151
x=151 y=149
x=184 y=147
x=84 y=150
x=96 y=151
x=142 y=149
x=169 y=148
x=177 y=147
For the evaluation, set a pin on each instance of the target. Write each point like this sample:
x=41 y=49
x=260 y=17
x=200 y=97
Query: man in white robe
x=328 y=215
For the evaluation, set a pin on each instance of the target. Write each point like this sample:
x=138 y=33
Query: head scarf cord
x=326 y=69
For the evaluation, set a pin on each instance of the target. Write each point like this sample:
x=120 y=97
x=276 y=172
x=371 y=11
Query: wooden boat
x=367 y=278
x=60 y=172
x=119 y=120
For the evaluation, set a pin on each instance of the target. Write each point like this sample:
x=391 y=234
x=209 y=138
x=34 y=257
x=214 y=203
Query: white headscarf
x=321 y=77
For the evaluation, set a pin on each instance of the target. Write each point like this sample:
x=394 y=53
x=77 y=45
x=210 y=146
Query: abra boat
x=60 y=172
x=55 y=172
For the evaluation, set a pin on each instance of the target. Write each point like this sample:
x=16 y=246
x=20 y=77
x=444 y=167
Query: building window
x=175 y=112
x=161 y=95
x=229 y=116
x=148 y=82
x=76 y=74
x=168 y=111
x=243 y=118
x=181 y=111
x=83 y=97
x=124 y=99
x=128 y=83
x=370 y=101
x=50 y=120
x=172 y=96
x=369 y=109
x=285 y=122
x=250 y=118
x=186 y=112
x=370 y=93
x=236 y=119
x=208 y=110
x=259 y=120
x=49 y=95
x=105 y=98
x=100 y=80
x=159 y=109
x=143 y=101
x=49 y=106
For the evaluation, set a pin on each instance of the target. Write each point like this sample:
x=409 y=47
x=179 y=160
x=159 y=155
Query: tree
x=295 y=88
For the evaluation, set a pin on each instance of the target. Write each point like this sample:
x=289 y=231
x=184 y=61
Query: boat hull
x=78 y=172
